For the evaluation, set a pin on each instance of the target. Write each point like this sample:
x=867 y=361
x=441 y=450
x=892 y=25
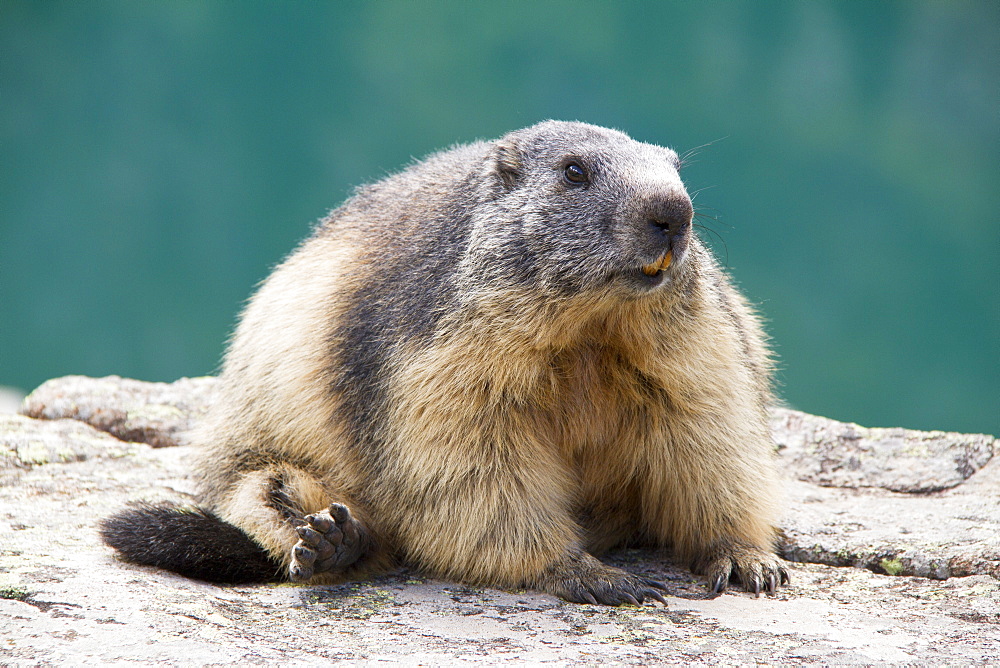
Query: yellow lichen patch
x=891 y=566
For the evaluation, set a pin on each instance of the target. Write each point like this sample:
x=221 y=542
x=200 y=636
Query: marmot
x=491 y=366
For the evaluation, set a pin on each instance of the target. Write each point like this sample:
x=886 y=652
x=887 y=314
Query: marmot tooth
x=653 y=268
x=667 y=258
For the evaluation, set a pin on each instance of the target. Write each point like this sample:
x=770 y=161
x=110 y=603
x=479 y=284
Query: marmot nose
x=671 y=214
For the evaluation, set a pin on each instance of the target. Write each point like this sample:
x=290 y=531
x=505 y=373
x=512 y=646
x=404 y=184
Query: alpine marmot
x=491 y=366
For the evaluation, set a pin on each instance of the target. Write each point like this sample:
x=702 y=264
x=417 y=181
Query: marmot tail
x=190 y=541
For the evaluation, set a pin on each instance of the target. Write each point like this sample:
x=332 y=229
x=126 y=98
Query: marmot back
x=493 y=365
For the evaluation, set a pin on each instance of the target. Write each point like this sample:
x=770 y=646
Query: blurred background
x=157 y=158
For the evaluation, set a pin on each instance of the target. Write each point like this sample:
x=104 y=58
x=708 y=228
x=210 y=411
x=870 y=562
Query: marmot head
x=570 y=207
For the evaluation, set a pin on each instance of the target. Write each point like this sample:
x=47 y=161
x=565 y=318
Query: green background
x=158 y=157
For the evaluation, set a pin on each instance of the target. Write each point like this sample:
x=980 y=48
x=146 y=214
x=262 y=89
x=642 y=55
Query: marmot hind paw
x=330 y=540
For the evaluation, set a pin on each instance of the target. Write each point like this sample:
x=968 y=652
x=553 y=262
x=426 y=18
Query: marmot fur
x=491 y=366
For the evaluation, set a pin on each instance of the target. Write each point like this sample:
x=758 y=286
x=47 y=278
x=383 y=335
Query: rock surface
x=65 y=599
x=839 y=454
x=132 y=410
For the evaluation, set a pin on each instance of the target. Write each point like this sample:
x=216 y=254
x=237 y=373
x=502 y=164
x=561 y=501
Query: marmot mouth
x=654 y=268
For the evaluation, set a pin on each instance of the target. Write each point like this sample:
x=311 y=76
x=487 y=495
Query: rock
x=132 y=410
x=943 y=520
x=939 y=535
x=64 y=598
x=839 y=454
x=25 y=442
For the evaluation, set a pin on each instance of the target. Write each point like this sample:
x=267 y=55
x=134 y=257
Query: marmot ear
x=507 y=163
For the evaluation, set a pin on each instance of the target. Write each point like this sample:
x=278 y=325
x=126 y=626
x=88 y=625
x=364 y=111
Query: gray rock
x=840 y=454
x=65 y=599
x=939 y=535
x=132 y=410
x=25 y=442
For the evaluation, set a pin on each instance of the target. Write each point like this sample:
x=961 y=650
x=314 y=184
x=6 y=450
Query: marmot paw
x=588 y=580
x=756 y=569
x=330 y=540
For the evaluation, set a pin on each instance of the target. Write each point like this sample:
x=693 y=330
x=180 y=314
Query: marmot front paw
x=756 y=569
x=587 y=580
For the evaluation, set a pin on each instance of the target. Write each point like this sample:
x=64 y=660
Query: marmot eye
x=574 y=173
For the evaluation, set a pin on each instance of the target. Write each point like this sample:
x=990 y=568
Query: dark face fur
x=584 y=208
